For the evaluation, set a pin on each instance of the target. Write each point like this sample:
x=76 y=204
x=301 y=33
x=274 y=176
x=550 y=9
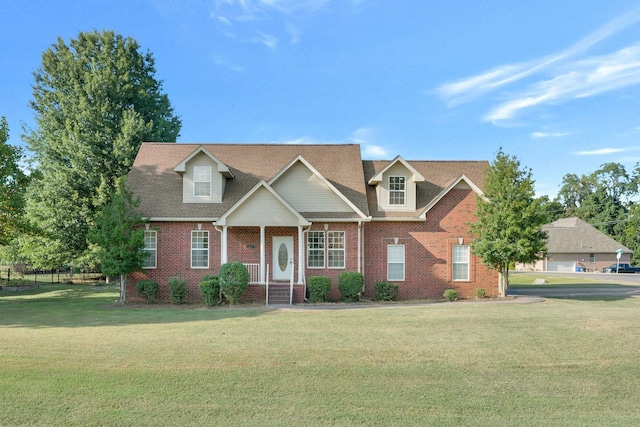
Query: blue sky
x=555 y=83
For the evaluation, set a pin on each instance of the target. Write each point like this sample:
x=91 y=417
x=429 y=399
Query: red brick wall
x=174 y=259
x=428 y=247
x=427 y=254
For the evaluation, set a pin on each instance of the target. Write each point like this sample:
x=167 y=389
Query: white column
x=301 y=247
x=263 y=257
x=223 y=245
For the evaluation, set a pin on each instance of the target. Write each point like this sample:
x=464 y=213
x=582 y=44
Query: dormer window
x=202 y=181
x=397 y=191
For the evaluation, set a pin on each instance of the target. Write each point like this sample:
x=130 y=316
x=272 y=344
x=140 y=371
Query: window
x=335 y=249
x=395 y=262
x=460 y=262
x=315 y=249
x=592 y=257
x=202 y=181
x=397 y=190
x=151 y=246
x=199 y=249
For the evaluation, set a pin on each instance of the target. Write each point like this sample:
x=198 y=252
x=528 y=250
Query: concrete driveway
x=628 y=285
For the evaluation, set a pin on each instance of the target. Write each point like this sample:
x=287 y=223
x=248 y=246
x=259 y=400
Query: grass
x=69 y=358
x=523 y=280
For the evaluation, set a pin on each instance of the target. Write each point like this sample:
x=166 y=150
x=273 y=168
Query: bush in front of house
x=451 y=294
x=386 y=291
x=350 y=285
x=480 y=293
x=210 y=290
x=234 y=280
x=319 y=287
x=177 y=289
x=147 y=289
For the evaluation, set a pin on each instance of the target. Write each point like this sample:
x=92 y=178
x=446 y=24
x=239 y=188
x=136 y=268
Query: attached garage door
x=565 y=266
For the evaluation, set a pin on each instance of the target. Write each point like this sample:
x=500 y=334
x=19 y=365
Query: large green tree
x=95 y=100
x=606 y=199
x=119 y=236
x=508 y=228
x=12 y=186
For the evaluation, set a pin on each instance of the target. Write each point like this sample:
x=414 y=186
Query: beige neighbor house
x=289 y=212
x=573 y=245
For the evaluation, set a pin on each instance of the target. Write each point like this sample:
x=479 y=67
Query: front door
x=282 y=257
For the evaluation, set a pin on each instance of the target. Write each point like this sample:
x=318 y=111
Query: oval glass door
x=283 y=257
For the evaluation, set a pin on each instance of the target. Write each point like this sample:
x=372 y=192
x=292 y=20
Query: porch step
x=278 y=294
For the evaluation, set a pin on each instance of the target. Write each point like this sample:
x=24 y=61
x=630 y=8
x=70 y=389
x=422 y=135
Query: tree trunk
x=123 y=287
x=503 y=282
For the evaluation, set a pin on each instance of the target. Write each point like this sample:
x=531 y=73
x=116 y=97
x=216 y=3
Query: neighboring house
x=293 y=211
x=574 y=245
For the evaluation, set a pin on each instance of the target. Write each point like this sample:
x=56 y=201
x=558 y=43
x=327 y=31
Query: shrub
x=319 y=287
x=147 y=289
x=210 y=289
x=386 y=291
x=234 y=280
x=350 y=284
x=451 y=294
x=177 y=289
x=480 y=293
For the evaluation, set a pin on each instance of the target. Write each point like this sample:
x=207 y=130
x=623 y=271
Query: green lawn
x=68 y=358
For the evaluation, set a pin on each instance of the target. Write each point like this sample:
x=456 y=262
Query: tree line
x=96 y=98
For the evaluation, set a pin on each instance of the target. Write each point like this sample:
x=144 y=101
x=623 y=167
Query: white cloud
x=268 y=40
x=219 y=60
x=549 y=134
x=570 y=78
x=600 y=151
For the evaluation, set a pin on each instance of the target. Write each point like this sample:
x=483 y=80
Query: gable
x=307 y=192
x=396 y=171
x=262 y=206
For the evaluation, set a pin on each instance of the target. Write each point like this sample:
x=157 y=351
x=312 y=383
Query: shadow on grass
x=66 y=306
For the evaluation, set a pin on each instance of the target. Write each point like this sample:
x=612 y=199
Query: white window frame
x=460 y=262
x=202 y=175
x=151 y=246
x=316 y=244
x=199 y=244
x=395 y=191
x=395 y=259
x=336 y=244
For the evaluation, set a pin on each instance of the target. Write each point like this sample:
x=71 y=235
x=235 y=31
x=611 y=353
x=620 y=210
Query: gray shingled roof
x=438 y=175
x=160 y=188
x=153 y=178
x=573 y=235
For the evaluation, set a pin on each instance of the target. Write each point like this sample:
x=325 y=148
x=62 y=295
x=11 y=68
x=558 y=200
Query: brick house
x=293 y=211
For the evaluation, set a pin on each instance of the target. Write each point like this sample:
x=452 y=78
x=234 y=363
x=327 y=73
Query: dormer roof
x=417 y=176
x=222 y=168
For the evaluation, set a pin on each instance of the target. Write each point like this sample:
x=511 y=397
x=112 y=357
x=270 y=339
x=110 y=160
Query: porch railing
x=254 y=272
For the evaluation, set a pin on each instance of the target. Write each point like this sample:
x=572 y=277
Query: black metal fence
x=26 y=275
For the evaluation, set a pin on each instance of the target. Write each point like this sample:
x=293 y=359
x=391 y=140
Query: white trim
x=468 y=263
x=404 y=262
x=154 y=251
x=417 y=176
x=403 y=191
x=199 y=249
x=222 y=168
x=209 y=172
